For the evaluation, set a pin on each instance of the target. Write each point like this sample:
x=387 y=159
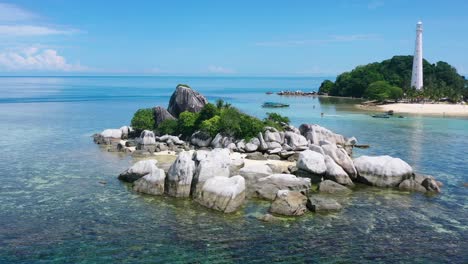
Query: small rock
x=291 y=203
x=322 y=204
x=328 y=186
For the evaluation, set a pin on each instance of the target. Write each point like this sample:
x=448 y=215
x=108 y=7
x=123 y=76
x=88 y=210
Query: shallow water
x=53 y=208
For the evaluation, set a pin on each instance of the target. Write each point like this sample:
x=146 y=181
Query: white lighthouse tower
x=417 y=75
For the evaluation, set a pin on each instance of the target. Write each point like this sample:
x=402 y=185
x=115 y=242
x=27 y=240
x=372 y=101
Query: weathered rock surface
x=411 y=185
x=340 y=156
x=146 y=138
x=161 y=114
x=295 y=141
x=315 y=133
x=223 y=194
x=431 y=185
x=267 y=187
x=138 y=170
x=215 y=164
x=290 y=203
x=180 y=175
x=382 y=171
x=201 y=139
x=152 y=183
x=317 y=149
x=312 y=162
x=328 y=186
x=256 y=156
x=185 y=99
x=336 y=173
x=322 y=204
x=252 y=173
x=169 y=139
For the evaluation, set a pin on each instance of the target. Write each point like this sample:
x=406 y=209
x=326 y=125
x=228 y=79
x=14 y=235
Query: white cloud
x=10 y=12
x=220 y=69
x=28 y=30
x=36 y=59
x=330 y=39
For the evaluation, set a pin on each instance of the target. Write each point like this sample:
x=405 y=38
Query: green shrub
x=230 y=121
x=250 y=127
x=211 y=125
x=143 y=119
x=186 y=123
x=207 y=112
x=168 y=126
x=277 y=118
x=326 y=86
x=382 y=90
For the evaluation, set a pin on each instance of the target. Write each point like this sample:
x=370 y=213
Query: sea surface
x=55 y=207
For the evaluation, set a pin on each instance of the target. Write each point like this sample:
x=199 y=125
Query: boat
x=381 y=116
x=269 y=93
x=274 y=105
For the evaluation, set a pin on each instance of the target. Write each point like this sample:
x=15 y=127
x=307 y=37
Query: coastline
x=455 y=110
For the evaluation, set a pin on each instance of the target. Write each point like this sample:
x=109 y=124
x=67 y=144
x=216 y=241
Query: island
x=222 y=157
x=389 y=82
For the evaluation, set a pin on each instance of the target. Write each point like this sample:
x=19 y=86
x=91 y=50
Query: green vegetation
x=143 y=119
x=326 y=86
x=184 y=85
x=277 y=118
x=186 y=123
x=440 y=80
x=212 y=119
x=382 y=90
x=168 y=126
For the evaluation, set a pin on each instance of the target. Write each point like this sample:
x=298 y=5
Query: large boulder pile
x=185 y=99
x=216 y=163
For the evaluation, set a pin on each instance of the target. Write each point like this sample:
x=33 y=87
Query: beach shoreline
x=455 y=110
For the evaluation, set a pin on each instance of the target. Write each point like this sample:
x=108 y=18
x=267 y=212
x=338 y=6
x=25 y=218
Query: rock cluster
x=212 y=170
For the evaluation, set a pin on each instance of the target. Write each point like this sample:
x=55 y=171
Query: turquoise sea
x=53 y=208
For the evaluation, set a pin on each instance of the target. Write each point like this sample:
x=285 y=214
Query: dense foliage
x=382 y=90
x=440 y=79
x=212 y=119
x=143 y=119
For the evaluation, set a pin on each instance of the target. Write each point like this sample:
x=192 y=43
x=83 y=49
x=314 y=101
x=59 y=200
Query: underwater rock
x=290 y=203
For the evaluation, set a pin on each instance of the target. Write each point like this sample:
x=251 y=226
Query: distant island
x=390 y=80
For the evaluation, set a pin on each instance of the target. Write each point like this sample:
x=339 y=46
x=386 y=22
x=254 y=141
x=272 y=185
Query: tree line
x=391 y=79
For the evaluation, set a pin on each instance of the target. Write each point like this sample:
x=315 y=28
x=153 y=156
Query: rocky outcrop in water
x=216 y=163
x=267 y=187
x=290 y=203
x=222 y=193
x=185 y=99
x=180 y=175
x=151 y=183
x=382 y=171
x=138 y=170
x=322 y=204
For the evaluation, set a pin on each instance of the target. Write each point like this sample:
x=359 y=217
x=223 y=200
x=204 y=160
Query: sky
x=224 y=38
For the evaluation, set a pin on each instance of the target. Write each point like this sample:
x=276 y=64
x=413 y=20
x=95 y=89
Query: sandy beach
x=422 y=109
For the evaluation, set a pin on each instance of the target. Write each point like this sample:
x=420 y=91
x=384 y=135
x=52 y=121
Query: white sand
x=427 y=109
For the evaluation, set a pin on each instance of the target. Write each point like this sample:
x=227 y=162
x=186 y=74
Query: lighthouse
x=417 y=75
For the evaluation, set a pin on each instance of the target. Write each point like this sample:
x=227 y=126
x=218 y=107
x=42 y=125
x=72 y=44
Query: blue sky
x=239 y=38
